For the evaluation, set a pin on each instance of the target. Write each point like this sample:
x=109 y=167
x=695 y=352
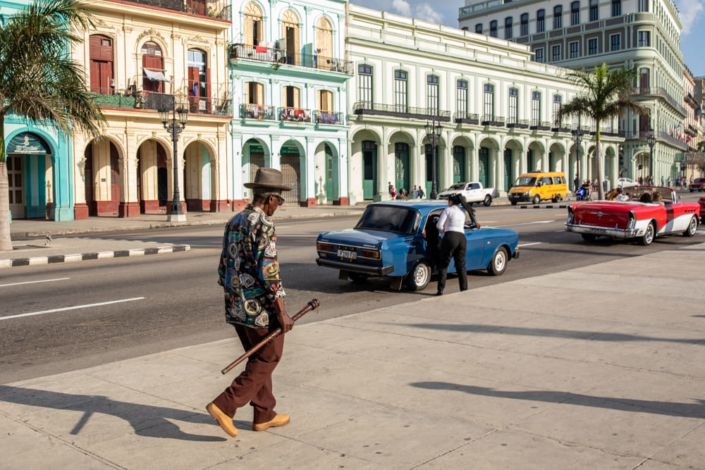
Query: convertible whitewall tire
x=692 y=227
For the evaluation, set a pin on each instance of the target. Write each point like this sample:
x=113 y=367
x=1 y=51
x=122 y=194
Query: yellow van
x=538 y=186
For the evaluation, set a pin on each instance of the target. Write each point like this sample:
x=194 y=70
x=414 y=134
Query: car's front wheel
x=692 y=227
x=514 y=203
x=488 y=201
x=419 y=277
x=648 y=236
x=499 y=263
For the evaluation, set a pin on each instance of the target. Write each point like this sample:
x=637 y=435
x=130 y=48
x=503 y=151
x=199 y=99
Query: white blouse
x=452 y=220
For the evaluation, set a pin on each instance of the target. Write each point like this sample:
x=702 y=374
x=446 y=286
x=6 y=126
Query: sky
x=692 y=13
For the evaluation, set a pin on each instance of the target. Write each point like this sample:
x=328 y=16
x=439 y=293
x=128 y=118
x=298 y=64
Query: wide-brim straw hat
x=268 y=178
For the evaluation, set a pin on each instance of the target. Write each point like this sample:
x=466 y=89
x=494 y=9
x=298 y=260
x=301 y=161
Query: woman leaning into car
x=454 y=244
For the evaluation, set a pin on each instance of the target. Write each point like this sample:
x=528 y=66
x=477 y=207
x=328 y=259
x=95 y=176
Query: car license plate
x=347 y=254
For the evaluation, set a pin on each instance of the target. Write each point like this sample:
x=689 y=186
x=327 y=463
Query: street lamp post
x=433 y=133
x=652 y=141
x=578 y=140
x=175 y=128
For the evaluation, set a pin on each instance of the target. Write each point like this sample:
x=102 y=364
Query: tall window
x=616 y=7
x=524 y=25
x=364 y=86
x=325 y=101
x=644 y=79
x=252 y=22
x=574 y=47
x=489 y=103
x=478 y=28
x=400 y=91
x=513 y=105
x=574 y=13
x=541 y=21
x=101 y=56
x=643 y=6
x=152 y=61
x=535 y=108
x=594 y=10
x=644 y=38
x=557 y=103
x=592 y=46
x=558 y=17
x=254 y=93
x=198 y=74
x=461 y=97
x=539 y=56
x=556 y=53
x=508 y=23
x=292 y=97
x=432 y=94
x=493 y=28
x=616 y=42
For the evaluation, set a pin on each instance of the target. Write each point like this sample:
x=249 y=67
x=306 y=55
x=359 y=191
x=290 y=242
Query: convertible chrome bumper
x=356 y=268
x=608 y=232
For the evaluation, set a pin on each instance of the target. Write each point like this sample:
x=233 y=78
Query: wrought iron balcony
x=323 y=117
x=514 y=123
x=400 y=111
x=112 y=98
x=282 y=57
x=537 y=125
x=491 y=120
x=663 y=93
x=660 y=135
x=294 y=115
x=258 y=112
x=466 y=118
x=219 y=9
x=560 y=127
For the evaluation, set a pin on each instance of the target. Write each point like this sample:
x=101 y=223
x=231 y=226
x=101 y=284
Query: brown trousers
x=254 y=384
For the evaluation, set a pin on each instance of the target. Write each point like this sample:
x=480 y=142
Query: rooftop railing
x=219 y=9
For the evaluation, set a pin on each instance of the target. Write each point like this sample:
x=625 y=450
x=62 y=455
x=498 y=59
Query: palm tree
x=40 y=82
x=606 y=94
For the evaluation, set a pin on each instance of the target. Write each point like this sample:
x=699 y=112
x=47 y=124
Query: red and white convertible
x=633 y=219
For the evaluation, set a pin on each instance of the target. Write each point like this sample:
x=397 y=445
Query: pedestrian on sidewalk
x=576 y=183
x=421 y=193
x=454 y=244
x=254 y=303
x=415 y=193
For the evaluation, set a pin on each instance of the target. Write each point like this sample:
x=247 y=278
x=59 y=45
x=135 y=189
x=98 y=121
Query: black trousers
x=453 y=246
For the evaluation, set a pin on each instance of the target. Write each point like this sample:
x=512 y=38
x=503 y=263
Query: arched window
x=574 y=13
x=508 y=23
x=558 y=17
x=101 y=57
x=524 y=25
x=325 y=102
x=541 y=21
x=290 y=33
x=252 y=30
x=324 y=38
x=254 y=93
x=292 y=97
x=199 y=81
x=478 y=28
x=493 y=28
x=153 y=68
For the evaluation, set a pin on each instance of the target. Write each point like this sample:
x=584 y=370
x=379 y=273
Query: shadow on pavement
x=146 y=420
x=570 y=334
x=691 y=410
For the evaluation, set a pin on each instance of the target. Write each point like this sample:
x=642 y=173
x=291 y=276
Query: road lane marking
x=70 y=308
x=34 y=282
x=528 y=223
x=529 y=244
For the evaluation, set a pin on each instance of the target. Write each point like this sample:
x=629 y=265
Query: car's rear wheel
x=648 y=236
x=499 y=262
x=588 y=237
x=536 y=200
x=358 y=277
x=692 y=227
x=487 y=201
x=419 y=277
x=557 y=198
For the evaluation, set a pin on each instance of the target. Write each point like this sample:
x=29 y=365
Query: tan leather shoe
x=225 y=421
x=279 y=420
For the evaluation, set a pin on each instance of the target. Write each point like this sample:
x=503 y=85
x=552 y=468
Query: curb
x=58 y=259
x=549 y=206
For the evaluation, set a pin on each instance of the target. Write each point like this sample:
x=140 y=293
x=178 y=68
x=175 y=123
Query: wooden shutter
x=94 y=46
x=106 y=77
x=297 y=103
x=248 y=93
x=193 y=81
x=208 y=83
x=106 y=52
x=248 y=36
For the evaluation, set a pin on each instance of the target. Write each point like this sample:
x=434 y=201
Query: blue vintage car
x=388 y=241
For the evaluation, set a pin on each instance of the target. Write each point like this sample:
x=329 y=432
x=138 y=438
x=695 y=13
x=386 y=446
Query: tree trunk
x=5 y=240
x=600 y=165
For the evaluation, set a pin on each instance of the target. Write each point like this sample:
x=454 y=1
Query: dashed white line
x=528 y=244
x=76 y=307
x=34 y=282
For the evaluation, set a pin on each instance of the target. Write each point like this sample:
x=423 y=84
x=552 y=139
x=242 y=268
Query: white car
x=626 y=183
x=473 y=192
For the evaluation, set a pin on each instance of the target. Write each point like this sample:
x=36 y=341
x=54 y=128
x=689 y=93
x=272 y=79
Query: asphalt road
x=135 y=306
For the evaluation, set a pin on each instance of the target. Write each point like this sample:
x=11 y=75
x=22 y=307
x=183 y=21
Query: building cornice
x=156 y=13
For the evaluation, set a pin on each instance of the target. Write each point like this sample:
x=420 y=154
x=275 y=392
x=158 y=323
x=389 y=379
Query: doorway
x=15 y=179
x=369 y=170
x=508 y=170
x=484 y=163
x=458 y=164
x=401 y=166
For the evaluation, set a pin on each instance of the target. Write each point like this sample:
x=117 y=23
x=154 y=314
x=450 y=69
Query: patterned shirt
x=249 y=270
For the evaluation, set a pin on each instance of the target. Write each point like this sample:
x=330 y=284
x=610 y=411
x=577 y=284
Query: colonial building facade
x=39 y=161
x=289 y=84
x=582 y=34
x=143 y=56
x=497 y=109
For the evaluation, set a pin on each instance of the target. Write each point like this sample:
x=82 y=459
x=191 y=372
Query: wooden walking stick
x=309 y=306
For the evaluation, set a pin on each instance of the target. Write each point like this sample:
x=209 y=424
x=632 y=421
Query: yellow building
x=144 y=55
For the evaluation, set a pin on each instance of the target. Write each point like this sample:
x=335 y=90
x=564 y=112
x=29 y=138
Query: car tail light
x=571 y=214
x=632 y=220
x=370 y=254
x=324 y=247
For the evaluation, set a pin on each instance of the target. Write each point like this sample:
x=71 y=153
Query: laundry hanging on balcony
x=155 y=75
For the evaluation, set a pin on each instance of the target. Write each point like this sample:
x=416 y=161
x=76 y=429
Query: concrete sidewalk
x=600 y=367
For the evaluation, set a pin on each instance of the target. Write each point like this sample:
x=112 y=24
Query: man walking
x=415 y=194
x=254 y=303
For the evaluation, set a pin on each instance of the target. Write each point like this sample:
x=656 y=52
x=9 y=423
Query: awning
x=155 y=76
x=27 y=143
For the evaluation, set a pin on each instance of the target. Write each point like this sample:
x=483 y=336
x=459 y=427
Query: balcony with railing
x=560 y=127
x=216 y=9
x=661 y=92
x=327 y=118
x=112 y=98
x=258 y=112
x=537 y=125
x=365 y=108
x=463 y=117
x=492 y=120
x=514 y=123
x=281 y=57
x=153 y=101
x=660 y=135
x=294 y=115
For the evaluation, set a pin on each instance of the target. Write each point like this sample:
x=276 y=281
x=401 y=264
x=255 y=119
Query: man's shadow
x=146 y=420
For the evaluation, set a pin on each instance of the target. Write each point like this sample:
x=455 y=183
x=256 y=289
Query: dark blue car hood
x=370 y=238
